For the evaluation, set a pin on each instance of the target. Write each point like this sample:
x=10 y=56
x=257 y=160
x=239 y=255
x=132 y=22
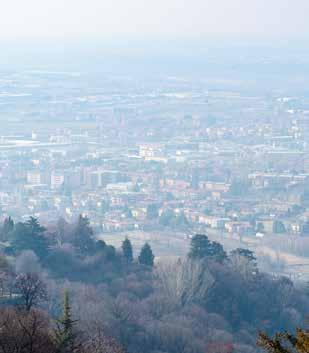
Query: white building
x=56 y=180
x=34 y=177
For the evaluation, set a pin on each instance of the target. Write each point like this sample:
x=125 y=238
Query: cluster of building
x=147 y=161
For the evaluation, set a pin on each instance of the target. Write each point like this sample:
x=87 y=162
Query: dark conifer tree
x=83 y=236
x=203 y=248
x=199 y=246
x=65 y=335
x=146 y=256
x=30 y=236
x=34 y=226
x=127 y=250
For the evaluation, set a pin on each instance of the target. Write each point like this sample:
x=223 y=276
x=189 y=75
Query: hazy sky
x=154 y=18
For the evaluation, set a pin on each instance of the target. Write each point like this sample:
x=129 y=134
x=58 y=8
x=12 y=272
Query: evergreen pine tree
x=35 y=227
x=30 y=236
x=127 y=250
x=65 y=336
x=203 y=248
x=146 y=256
x=199 y=246
x=83 y=236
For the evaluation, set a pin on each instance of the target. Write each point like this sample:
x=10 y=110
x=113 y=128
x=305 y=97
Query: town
x=144 y=158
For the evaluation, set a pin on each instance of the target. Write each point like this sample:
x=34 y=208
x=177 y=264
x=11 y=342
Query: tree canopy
x=127 y=250
x=146 y=256
x=202 y=248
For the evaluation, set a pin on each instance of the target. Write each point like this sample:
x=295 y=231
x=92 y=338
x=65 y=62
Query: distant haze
x=260 y=19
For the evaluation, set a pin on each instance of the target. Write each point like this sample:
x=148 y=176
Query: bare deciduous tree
x=184 y=280
x=31 y=288
x=100 y=343
x=24 y=332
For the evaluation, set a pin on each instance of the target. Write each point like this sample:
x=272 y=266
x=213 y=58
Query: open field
x=170 y=244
